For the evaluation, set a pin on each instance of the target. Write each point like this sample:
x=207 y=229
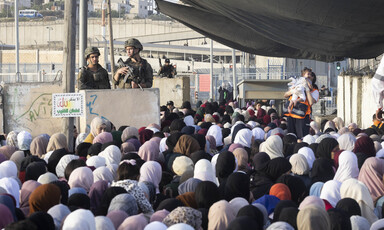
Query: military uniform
x=93 y=80
x=167 y=71
x=141 y=70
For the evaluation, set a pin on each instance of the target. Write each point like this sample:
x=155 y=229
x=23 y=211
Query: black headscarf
x=106 y=199
x=283 y=204
x=34 y=170
x=361 y=157
x=226 y=132
x=322 y=170
x=28 y=160
x=296 y=186
x=42 y=220
x=225 y=165
x=245 y=223
x=94 y=149
x=64 y=188
x=253 y=212
x=196 y=156
x=237 y=128
x=314 y=146
x=82 y=149
x=299 y=146
x=325 y=148
x=260 y=161
x=206 y=194
x=189 y=130
x=177 y=125
x=172 y=140
x=339 y=219
x=289 y=215
x=72 y=165
x=289 y=142
x=237 y=185
x=170 y=204
x=201 y=139
x=350 y=206
x=79 y=200
x=277 y=167
x=55 y=158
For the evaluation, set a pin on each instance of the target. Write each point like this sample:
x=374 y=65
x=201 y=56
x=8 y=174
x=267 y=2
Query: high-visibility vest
x=299 y=111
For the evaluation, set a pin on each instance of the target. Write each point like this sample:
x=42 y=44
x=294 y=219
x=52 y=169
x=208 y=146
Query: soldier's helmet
x=91 y=50
x=134 y=43
x=167 y=61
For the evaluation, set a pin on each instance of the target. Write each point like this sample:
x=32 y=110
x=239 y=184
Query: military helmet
x=167 y=60
x=134 y=43
x=91 y=50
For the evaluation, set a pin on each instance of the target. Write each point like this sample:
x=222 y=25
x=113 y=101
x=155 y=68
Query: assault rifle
x=129 y=75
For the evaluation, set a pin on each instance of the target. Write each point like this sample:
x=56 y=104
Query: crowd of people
x=213 y=167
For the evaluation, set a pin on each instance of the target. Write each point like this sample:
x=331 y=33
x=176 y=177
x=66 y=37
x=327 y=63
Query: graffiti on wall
x=91 y=102
x=40 y=107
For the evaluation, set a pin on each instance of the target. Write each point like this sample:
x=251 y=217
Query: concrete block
x=174 y=89
x=132 y=107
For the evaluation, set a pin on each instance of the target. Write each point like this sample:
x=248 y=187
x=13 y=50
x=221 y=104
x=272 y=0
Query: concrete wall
x=355 y=101
x=27 y=106
x=132 y=107
x=174 y=89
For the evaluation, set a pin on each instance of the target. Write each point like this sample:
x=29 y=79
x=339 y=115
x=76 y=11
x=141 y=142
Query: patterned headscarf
x=185 y=215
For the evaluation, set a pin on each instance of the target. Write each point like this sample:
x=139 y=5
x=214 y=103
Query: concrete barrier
x=133 y=107
x=355 y=101
x=174 y=89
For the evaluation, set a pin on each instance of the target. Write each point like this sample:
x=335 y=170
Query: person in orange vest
x=378 y=125
x=298 y=119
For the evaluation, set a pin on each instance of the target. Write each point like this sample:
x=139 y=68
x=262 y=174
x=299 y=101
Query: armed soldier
x=93 y=76
x=135 y=72
x=167 y=70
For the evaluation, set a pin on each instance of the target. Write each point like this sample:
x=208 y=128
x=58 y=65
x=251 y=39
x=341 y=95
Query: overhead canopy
x=324 y=30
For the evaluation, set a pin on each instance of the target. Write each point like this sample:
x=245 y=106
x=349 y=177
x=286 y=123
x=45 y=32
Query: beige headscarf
x=220 y=215
x=57 y=141
x=313 y=217
x=242 y=158
x=273 y=146
x=128 y=133
x=299 y=164
x=39 y=145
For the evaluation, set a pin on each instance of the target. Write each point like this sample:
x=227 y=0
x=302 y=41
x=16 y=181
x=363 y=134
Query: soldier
x=93 y=76
x=167 y=70
x=135 y=72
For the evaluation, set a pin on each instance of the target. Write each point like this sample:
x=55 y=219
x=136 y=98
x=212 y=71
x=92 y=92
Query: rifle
x=160 y=63
x=130 y=75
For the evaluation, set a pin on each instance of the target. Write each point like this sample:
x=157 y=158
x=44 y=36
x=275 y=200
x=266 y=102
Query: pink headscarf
x=149 y=151
x=371 y=174
x=7 y=151
x=104 y=137
x=136 y=222
x=151 y=171
x=81 y=177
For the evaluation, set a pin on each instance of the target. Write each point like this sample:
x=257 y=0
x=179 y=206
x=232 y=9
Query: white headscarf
x=331 y=192
x=215 y=131
x=358 y=191
x=348 y=167
x=244 y=137
x=95 y=124
x=359 y=223
x=347 y=141
x=309 y=139
x=11 y=186
x=258 y=133
x=80 y=219
x=273 y=146
x=102 y=173
x=104 y=223
x=112 y=155
x=299 y=164
x=163 y=144
x=309 y=155
x=96 y=161
x=24 y=140
x=12 y=139
x=63 y=162
x=8 y=169
x=204 y=171
x=80 y=138
x=47 y=178
x=151 y=171
x=58 y=213
x=156 y=225
x=188 y=120
x=280 y=225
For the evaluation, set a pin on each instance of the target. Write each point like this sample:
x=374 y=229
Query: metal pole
x=83 y=32
x=234 y=74
x=211 y=70
x=17 y=35
x=69 y=62
x=103 y=32
x=111 y=51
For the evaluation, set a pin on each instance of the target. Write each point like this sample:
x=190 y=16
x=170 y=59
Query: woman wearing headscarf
x=322 y=170
x=237 y=185
x=289 y=142
x=220 y=215
x=348 y=167
x=58 y=213
x=34 y=170
x=104 y=137
x=243 y=137
x=326 y=149
x=273 y=146
x=258 y=133
x=186 y=145
x=43 y=198
x=225 y=165
x=151 y=171
x=24 y=140
x=39 y=146
x=96 y=192
x=81 y=177
x=308 y=154
x=26 y=190
x=80 y=219
x=124 y=202
x=371 y=174
x=339 y=123
x=277 y=167
x=350 y=206
x=57 y=141
x=106 y=199
x=280 y=191
x=331 y=192
x=12 y=139
x=365 y=145
x=204 y=171
x=358 y=191
x=241 y=156
x=347 y=141
x=112 y=155
x=206 y=194
x=314 y=218
x=215 y=131
x=296 y=186
x=300 y=168
x=125 y=181
x=260 y=182
x=149 y=151
x=98 y=125
x=7 y=151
